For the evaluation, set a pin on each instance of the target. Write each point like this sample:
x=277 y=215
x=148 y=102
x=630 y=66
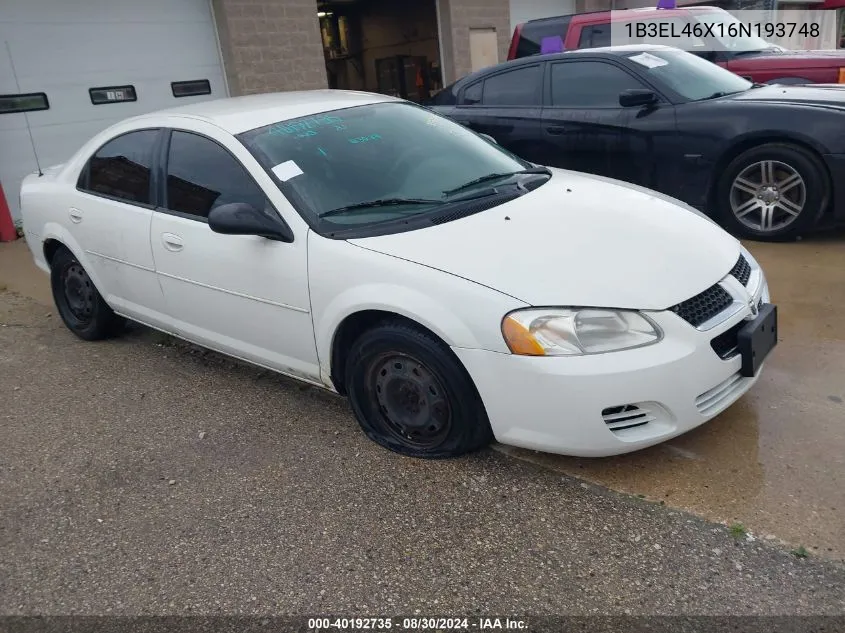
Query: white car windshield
x=692 y=77
x=400 y=157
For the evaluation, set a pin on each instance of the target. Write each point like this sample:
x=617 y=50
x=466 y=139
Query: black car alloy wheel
x=768 y=195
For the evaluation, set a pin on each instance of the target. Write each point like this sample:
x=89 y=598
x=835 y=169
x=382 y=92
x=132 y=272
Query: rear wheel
x=81 y=307
x=412 y=396
x=772 y=192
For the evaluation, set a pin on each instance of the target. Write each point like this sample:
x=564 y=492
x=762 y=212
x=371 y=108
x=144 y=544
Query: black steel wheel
x=81 y=307
x=412 y=396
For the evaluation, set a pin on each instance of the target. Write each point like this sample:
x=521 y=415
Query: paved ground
x=141 y=477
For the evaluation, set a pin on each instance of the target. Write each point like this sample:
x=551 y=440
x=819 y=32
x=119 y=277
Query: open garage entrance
x=382 y=46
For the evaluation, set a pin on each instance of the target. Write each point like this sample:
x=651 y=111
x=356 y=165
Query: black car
x=767 y=161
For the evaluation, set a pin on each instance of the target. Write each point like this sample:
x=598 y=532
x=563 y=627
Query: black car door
x=586 y=129
x=506 y=105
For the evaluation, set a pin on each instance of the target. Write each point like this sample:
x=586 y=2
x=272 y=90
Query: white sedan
x=454 y=292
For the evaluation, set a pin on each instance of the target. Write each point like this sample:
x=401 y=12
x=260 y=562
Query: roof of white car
x=239 y=114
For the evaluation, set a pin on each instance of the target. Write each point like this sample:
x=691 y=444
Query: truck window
x=532 y=34
x=595 y=36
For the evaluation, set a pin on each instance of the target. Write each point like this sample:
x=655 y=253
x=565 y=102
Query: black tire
x=81 y=307
x=786 y=159
x=412 y=396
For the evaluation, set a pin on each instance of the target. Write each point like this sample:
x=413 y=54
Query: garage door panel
x=70 y=101
x=55 y=50
x=104 y=11
x=65 y=48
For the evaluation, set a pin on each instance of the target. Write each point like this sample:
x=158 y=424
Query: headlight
x=576 y=331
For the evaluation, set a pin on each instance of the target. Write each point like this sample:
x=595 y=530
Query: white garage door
x=64 y=49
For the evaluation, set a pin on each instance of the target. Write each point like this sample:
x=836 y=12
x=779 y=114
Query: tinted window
x=112 y=94
x=472 y=95
x=121 y=167
x=202 y=175
x=23 y=102
x=513 y=88
x=533 y=33
x=595 y=36
x=590 y=84
x=447 y=96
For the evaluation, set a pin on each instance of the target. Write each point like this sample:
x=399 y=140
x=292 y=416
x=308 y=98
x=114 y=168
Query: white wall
x=522 y=10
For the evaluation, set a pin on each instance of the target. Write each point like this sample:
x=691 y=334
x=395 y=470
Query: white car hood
x=578 y=240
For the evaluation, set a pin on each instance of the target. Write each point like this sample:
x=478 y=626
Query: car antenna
x=26 y=118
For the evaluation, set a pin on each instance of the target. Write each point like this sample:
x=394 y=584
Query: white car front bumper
x=586 y=406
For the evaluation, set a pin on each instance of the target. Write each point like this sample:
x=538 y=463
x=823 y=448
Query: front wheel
x=412 y=396
x=81 y=307
x=772 y=192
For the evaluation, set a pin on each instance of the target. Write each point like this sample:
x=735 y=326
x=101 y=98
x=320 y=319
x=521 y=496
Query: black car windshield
x=690 y=76
x=375 y=163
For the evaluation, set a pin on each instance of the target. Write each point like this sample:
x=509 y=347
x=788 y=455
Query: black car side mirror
x=637 y=97
x=241 y=218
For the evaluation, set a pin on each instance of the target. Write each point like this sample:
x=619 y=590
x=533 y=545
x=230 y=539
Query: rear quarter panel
x=45 y=202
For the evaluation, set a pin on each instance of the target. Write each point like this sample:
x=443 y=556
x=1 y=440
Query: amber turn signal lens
x=842 y=75
x=519 y=339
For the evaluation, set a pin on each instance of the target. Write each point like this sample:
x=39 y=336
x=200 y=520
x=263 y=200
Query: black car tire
x=803 y=162
x=81 y=307
x=412 y=396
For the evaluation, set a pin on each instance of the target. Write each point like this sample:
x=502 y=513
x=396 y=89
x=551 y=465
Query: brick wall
x=270 y=45
x=458 y=17
x=274 y=45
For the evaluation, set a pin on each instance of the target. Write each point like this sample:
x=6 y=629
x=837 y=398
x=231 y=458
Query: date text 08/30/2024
x=417 y=624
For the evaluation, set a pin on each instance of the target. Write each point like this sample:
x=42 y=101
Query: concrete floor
x=140 y=477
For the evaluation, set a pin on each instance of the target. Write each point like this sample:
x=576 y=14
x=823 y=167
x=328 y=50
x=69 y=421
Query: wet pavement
x=774 y=462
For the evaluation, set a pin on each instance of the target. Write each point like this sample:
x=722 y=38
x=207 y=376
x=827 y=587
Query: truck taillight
x=517 y=34
x=842 y=75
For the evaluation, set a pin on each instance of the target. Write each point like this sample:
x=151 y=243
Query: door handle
x=556 y=129
x=75 y=215
x=172 y=242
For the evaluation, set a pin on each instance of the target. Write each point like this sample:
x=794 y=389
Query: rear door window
x=520 y=87
x=121 y=169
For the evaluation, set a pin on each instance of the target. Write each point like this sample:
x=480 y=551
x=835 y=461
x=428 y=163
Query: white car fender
x=460 y=312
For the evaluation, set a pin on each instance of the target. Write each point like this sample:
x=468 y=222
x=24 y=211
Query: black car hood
x=825 y=95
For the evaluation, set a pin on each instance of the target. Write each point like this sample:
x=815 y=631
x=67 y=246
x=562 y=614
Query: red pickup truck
x=749 y=56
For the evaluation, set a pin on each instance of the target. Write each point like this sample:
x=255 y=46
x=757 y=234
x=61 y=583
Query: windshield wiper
x=381 y=202
x=531 y=170
x=716 y=95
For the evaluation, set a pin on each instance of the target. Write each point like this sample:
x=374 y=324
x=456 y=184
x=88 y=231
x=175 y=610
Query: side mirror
x=488 y=137
x=241 y=218
x=633 y=98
